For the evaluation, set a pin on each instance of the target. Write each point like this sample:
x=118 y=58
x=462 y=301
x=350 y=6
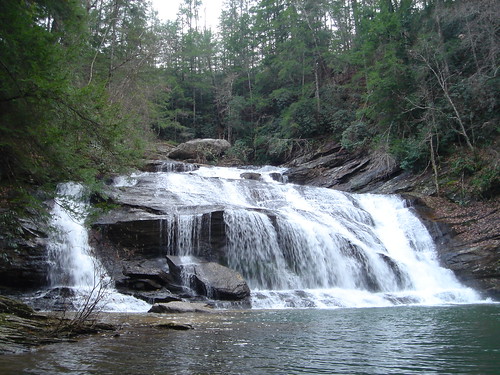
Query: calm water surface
x=397 y=340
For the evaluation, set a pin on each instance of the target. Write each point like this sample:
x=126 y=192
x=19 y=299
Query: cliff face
x=467 y=237
x=468 y=240
x=23 y=257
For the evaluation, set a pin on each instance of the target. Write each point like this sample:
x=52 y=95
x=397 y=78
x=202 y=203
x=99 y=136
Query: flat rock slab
x=180 y=307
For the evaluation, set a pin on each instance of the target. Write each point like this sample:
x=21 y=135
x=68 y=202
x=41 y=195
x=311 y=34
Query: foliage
x=83 y=83
x=52 y=126
x=410 y=152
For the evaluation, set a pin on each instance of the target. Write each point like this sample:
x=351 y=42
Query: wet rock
x=200 y=150
x=251 y=176
x=138 y=284
x=277 y=176
x=54 y=299
x=21 y=329
x=148 y=280
x=158 y=296
x=466 y=238
x=169 y=166
x=135 y=234
x=154 y=270
x=477 y=266
x=11 y=306
x=23 y=257
x=210 y=279
x=180 y=307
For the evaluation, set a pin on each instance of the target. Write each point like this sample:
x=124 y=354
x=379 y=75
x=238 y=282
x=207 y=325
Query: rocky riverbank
x=21 y=328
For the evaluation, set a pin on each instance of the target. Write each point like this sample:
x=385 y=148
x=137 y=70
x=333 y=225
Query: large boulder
x=200 y=150
x=210 y=279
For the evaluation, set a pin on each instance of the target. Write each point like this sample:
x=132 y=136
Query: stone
x=335 y=167
x=158 y=296
x=210 y=279
x=21 y=329
x=221 y=283
x=180 y=307
x=251 y=176
x=11 y=306
x=169 y=166
x=23 y=259
x=153 y=269
x=175 y=326
x=466 y=239
x=138 y=284
x=277 y=176
x=200 y=150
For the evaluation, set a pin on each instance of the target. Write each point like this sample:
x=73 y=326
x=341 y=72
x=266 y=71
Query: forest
x=86 y=85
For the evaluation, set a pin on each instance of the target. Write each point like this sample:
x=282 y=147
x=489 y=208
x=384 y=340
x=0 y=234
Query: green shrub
x=411 y=153
x=356 y=135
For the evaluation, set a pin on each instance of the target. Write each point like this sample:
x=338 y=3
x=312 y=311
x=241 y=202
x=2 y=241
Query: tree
x=51 y=126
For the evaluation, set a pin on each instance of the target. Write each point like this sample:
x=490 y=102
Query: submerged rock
x=175 y=326
x=180 y=307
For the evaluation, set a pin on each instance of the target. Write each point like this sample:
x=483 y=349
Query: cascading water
x=303 y=246
x=73 y=266
x=68 y=249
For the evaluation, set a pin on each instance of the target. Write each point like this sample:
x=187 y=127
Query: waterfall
x=296 y=246
x=300 y=246
x=72 y=264
x=68 y=249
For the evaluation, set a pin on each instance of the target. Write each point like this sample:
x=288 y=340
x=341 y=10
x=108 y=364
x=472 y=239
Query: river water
x=462 y=339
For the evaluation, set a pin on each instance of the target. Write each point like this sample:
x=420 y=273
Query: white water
x=70 y=256
x=307 y=247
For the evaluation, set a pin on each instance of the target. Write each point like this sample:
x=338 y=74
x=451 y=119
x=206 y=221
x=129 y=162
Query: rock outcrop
x=169 y=166
x=467 y=240
x=332 y=166
x=200 y=150
x=23 y=259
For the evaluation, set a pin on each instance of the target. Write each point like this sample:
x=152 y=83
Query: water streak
x=72 y=264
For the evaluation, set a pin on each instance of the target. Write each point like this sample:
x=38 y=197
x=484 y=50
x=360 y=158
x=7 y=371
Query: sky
x=167 y=10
